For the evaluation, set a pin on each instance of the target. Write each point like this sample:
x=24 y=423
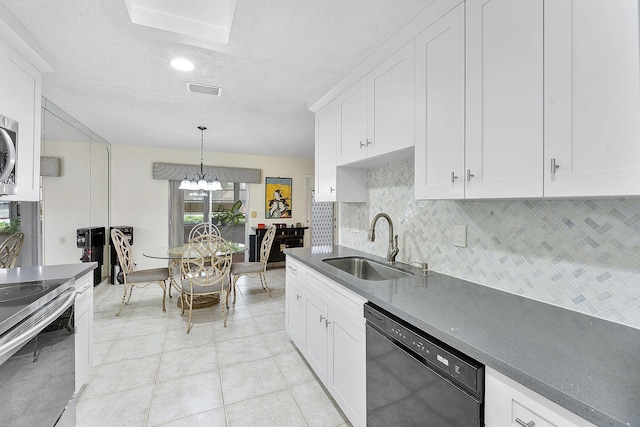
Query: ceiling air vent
x=207 y=90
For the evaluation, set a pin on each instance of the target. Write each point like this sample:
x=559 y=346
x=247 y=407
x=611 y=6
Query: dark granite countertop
x=587 y=365
x=47 y=272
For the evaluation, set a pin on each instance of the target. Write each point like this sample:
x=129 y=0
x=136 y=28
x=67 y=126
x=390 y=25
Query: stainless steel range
x=37 y=353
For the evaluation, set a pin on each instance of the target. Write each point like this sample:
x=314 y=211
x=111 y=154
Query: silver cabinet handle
x=362 y=144
x=326 y=323
x=453 y=177
x=369 y=142
x=322 y=318
x=293 y=269
x=469 y=175
x=554 y=166
x=523 y=424
x=298 y=297
x=332 y=190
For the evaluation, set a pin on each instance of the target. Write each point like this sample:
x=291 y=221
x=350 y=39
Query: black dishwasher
x=415 y=380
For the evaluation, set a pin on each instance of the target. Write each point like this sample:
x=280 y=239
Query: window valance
x=177 y=172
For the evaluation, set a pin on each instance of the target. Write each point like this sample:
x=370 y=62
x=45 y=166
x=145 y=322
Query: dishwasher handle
x=16 y=343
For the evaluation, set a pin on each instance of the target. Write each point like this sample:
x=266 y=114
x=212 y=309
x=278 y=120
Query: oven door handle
x=11 y=155
x=23 y=338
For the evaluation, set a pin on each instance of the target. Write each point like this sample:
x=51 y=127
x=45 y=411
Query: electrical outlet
x=460 y=235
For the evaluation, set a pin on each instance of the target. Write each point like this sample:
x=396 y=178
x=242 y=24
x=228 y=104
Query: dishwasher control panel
x=440 y=357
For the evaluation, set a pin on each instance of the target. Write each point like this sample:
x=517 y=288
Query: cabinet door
x=327 y=134
x=504 y=127
x=20 y=100
x=592 y=98
x=295 y=312
x=439 y=118
x=84 y=330
x=391 y=103
x=346 y=371
x=316 y=332
x=352 y=145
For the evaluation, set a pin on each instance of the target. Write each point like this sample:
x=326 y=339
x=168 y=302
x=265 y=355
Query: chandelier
x=200 y=181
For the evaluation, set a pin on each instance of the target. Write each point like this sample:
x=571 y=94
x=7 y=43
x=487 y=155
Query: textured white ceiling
x=117 y=80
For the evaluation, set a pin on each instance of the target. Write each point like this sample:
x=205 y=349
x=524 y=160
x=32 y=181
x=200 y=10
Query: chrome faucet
x=393 y=240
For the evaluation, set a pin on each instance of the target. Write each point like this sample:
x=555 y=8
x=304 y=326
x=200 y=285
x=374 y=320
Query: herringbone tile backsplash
x=580 y=254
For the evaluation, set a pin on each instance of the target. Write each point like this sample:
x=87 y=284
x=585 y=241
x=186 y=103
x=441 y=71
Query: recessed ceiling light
x=182 y=64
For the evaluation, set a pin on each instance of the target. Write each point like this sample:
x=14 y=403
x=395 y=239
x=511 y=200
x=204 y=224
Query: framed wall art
x=277 y=197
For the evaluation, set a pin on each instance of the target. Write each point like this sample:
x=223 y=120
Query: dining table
x=173 y=255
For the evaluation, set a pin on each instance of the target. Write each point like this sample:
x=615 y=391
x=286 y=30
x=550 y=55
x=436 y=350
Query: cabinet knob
x=554 y=166
x=453 y=177
x=469 y=175
x=523 y=424
x=362 y=144
x=298 y=297
x=369 y=142
x=332 y=190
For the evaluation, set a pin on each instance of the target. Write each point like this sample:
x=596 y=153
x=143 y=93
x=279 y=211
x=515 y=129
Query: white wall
x=143 y=203
x=65 y=201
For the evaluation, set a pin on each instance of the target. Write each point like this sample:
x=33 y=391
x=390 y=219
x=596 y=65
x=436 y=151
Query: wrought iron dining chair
x=203 y=228
x=10 y=250
x=140 y=278
x=240 y=269
x=205 y=266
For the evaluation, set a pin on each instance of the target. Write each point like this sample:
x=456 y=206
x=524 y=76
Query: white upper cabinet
x=20 y=85
x=376 y=113
x=391 y=103
x=352 y=182
x=504 y=113
x=439 y=109
x=592 y=98
x=327 y=128
x=353 y=140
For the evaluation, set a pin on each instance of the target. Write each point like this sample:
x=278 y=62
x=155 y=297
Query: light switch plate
x=460 y=235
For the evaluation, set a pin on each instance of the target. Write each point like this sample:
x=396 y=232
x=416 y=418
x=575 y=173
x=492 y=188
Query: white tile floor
x=149 y=372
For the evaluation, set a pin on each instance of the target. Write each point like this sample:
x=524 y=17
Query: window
x=215 y=206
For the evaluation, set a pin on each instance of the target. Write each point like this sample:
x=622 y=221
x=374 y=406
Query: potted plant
x=231 y=221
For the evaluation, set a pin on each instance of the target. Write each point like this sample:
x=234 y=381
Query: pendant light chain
x=200 y=181
x=202 y=129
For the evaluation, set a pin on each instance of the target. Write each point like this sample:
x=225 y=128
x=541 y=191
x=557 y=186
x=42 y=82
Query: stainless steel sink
x=366 y=269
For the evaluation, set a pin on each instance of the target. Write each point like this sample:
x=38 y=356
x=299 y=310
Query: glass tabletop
x=165 y=252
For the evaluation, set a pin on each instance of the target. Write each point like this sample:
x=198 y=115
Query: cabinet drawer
x=295 y=271
x=507 y=400
x=523 y=415
x=84 y=289
x=349 y=304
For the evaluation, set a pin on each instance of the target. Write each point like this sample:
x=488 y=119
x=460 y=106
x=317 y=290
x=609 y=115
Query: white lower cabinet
x=346 y=371
x=316 y=332
x=326 y=322
x=295 y=313
x=509 y=403
x=84 y=329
